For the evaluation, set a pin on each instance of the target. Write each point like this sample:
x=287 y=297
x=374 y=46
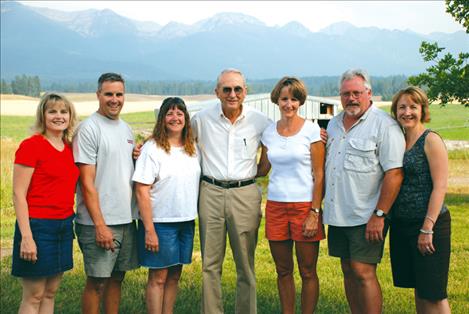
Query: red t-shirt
x=51 y=193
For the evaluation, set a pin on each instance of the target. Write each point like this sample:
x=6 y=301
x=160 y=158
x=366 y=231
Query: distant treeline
x=22 y=85
x=384 y=86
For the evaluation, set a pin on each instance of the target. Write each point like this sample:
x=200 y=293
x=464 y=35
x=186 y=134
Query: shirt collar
x=241 y=116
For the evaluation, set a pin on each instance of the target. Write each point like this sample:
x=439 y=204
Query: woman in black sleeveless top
x=421 y=224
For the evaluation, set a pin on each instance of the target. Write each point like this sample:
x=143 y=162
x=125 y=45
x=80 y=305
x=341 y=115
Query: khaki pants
x=237 y=212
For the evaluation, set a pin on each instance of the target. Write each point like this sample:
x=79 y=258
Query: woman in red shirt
x=44 y=181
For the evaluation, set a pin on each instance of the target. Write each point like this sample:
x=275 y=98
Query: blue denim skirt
x=176 y=240
x=54 y=242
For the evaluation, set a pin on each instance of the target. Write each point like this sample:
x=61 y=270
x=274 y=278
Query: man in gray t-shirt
x=105 y=227
x=365 y=149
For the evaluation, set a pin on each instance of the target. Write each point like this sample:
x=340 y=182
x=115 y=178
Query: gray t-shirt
x=108 y=144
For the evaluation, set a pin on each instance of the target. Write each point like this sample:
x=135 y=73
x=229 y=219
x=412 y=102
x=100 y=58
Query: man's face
x=231 y=91
x=111 y=99
x=355 y=97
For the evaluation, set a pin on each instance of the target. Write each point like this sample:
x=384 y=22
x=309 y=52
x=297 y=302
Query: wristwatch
x=379 y=213
x=316 y=210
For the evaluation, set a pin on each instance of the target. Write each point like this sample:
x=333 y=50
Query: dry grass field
x=86 y=103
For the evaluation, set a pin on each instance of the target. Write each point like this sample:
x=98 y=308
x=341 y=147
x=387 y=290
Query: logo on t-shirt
x=130 y=141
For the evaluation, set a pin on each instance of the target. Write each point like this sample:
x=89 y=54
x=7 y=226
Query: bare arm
x=104 y=236
x=324 y=135
x=263 y=167
x=142 y=192
x=317 y=151
x=438 y=162
x=21 y=179
x=389 y=190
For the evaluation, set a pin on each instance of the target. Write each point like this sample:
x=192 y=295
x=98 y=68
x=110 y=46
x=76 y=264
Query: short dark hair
x=109 y=77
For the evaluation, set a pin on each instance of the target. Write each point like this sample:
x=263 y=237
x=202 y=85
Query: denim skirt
x=176 y=243
x=54 y=242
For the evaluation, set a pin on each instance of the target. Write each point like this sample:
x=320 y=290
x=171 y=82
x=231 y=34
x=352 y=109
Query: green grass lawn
x=451 y=122
x=332 y=298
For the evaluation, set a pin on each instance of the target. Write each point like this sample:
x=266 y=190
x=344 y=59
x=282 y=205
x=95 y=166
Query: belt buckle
x=224 y=184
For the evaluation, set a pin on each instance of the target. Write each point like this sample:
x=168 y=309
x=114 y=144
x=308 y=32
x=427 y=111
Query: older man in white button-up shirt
x=365 y=149
x=228 y=136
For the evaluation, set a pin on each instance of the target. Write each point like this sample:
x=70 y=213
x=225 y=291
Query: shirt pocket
x=360 y=155
x=246 y=147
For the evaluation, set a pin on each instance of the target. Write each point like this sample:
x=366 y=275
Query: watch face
x=379 y=213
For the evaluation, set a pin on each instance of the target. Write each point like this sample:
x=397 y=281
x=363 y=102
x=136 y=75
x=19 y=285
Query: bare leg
x=431 y=307
x=283 y=258
x=33 y=292
x=93 y=294
x=307 y=257
x=368 y=288
x=154 y=294
x=351 y=291
x=52 y=285
x=171 y=288
x=112 y=292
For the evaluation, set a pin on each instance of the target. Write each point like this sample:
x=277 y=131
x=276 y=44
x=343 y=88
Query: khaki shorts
x=100 y=263
x=350 y=243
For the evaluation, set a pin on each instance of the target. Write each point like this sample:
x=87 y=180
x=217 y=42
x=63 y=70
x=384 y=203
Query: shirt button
x=339 y=153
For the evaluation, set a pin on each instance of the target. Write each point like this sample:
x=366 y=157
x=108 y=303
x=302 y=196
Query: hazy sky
x=420 y=16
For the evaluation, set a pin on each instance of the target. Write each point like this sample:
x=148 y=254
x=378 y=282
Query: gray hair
x=231 y=70
x=352 y=73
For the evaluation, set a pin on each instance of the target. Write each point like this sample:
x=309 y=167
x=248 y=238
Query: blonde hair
x=50 y=99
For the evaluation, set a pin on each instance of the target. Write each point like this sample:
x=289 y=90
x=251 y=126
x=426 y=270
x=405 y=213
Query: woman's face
x=287 y=103
x=174 y=121
x=408 y=113
x=56 y=117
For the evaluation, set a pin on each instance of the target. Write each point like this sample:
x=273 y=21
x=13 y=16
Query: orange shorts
x=284 y=221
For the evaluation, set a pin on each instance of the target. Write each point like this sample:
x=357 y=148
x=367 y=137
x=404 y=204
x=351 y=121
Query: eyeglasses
x=354 y=94
x=227 y=90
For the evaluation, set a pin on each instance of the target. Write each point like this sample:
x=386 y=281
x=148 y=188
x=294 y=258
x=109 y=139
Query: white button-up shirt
x=229 y=150
x=355 y=164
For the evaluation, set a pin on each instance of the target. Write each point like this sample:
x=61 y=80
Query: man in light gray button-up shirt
x=365 y=149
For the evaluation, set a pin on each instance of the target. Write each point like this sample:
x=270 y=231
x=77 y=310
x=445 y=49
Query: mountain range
x=65 y=46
